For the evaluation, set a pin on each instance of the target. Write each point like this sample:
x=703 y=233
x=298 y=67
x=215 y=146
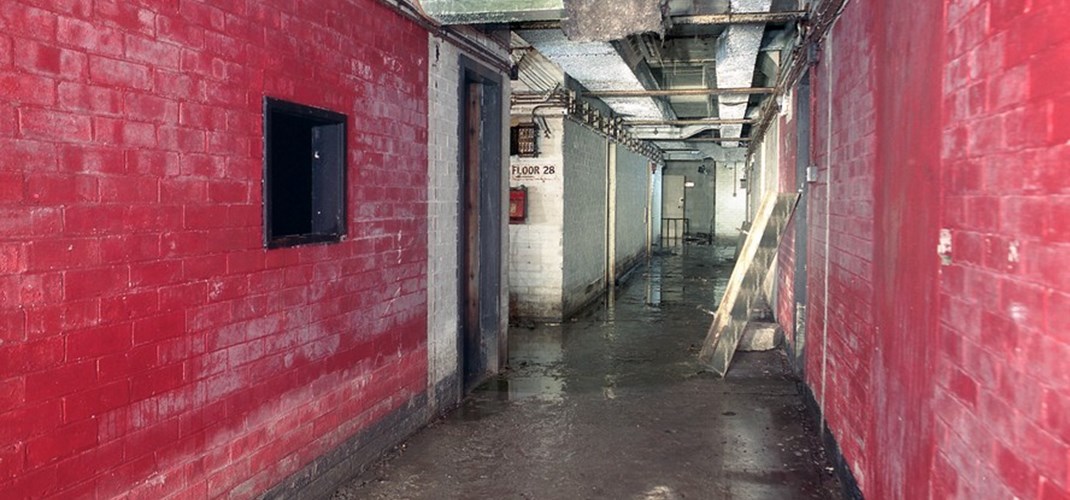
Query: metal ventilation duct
x=597 y=66
x=492 y=11
x=737 y=53
x=581 y=20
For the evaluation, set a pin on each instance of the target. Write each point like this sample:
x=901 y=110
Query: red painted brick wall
x=876 y=144
x=838 y=364
x=943 y=381
x=148 y=344
x=1002 y=398
x=785 y=306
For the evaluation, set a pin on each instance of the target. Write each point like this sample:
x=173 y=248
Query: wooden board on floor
x=744 y=287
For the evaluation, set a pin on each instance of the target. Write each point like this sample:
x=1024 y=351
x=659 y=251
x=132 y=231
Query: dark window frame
x=328 y=172
x=524 y=140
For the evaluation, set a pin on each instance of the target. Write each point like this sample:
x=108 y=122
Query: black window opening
x=304 y=174
x=523 y=140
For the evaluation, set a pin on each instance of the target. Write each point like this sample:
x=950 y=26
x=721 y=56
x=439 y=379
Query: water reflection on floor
x=612 y=404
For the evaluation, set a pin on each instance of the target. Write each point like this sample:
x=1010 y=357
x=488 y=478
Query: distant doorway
x=674 y=224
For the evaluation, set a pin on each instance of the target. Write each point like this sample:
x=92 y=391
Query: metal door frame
x=480 y=339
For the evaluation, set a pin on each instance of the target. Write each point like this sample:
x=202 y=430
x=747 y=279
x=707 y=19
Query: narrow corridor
x=614 y=405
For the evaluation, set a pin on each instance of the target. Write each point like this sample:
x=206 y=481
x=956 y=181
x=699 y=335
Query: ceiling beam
x=701 y=121
x=553 y=24
x=677 y=92
x=741 y=18
x=698 y=19
x=490 y=11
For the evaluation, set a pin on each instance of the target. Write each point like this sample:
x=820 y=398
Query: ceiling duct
x=655 y=132
x=597 y=66
x=737 y=53
x=707 y=151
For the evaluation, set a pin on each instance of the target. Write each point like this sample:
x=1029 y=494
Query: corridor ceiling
x=664 y=67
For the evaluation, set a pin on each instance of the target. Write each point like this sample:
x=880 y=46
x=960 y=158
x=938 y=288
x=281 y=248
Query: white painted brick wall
x=764 y=171
x=444 y=75
x=536 y=248
x=442 y=210
x=585 y=154
x=730 y=202
x=633 y=177
x=558 y=257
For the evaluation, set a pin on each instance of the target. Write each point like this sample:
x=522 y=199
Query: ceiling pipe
x=706 y=139
x=741 y=18
x=680 y=92
x=703 y=121
x=535 y=25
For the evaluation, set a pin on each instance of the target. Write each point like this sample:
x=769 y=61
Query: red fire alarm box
x=518 y=205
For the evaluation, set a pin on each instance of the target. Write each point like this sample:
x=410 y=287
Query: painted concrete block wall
x=443 y=208
x=585 y=205
x=632 y=195
x=536 y=249
x=766 y=171
x=150 y=345
x=730 y=202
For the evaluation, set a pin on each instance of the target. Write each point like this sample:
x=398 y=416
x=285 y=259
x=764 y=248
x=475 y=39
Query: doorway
x=481 y=339
x=673 y=221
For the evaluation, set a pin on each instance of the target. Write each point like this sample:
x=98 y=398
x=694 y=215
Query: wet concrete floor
x=614 y=405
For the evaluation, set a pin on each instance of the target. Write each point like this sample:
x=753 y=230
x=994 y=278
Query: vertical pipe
x=649 y=208
x=611 y=218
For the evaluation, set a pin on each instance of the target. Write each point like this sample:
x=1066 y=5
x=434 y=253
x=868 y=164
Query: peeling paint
x=1018 y=312
x=943 y=249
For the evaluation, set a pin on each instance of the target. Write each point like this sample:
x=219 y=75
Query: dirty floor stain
x=614 y=405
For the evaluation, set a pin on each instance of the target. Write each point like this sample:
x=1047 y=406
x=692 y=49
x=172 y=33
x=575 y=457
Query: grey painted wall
x=585 y=156
x=633 y=178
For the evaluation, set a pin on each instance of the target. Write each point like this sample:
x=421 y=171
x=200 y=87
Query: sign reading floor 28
x=525 y=172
